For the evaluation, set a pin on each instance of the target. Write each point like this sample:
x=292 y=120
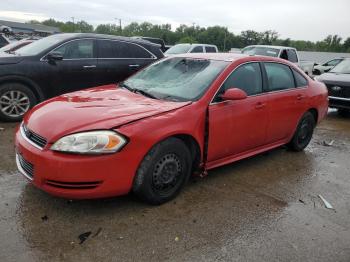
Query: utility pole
x=120 y=23
x=73 y=23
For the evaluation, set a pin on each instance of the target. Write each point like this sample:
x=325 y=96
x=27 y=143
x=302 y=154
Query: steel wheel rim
x=167 y=173
x=14 y=103
x=305 y=132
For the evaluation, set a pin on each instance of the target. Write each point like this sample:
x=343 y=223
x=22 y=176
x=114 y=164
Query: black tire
x=303 y=133
x=23 y=92
x=163 y=172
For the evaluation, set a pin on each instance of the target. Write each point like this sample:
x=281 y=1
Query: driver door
x=238 y=126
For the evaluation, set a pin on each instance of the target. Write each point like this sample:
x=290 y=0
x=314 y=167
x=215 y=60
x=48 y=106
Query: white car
x=191 y=48
x=320 y=69
x=287 y=53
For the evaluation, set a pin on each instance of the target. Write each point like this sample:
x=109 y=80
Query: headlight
x=93 y=142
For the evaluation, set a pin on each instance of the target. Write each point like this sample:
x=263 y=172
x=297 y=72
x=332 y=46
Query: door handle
x=300 y=97
x=134 y=65
x=260 y=105
x=89 y=66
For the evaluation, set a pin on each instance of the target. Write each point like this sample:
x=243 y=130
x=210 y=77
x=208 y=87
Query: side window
x=197 y=49
x=210 y=49
x=292 y=56
x=284 y=55
x=333 y=62
x=279 y=76
x=118 y=49
x=246 y=77
x=78 y=49
x=300 y=80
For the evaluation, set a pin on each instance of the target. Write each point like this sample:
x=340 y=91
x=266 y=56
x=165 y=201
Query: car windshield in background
x=177 y=79
x=41 y=45
x=178 y=49
x=265 y=51
x=342 y=68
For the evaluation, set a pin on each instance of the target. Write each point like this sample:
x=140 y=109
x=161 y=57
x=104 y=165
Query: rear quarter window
x=210 y=49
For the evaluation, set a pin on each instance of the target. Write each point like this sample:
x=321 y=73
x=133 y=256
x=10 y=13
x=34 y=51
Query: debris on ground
x=97 y=232
x=177 y=239
x=120 y=238
x=44 y=218
x=302 y=201
x=325 y=143
x=82 y=237
x=2 y=129
x=325 y=202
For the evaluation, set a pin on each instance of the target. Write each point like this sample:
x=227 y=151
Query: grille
x=73 y=185
x=33 y=137
x=26 y=166
x=343 y=92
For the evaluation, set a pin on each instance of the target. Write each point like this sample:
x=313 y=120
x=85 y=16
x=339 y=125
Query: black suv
x=67 y=62
x=337 y=81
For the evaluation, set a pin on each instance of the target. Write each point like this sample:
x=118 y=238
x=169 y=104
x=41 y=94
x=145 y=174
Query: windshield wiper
x=145 y=93
x=138 y=91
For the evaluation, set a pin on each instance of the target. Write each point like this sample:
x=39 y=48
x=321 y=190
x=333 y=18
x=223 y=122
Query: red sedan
x=180 y=116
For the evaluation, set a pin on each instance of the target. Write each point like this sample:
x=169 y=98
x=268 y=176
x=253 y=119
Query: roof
x=34 y=27
x=272 y=46
x=103 y=36
x=214 y=56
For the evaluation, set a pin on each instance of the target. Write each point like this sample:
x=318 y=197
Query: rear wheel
x=303 y=133
x=163 y=172
x=15 y=100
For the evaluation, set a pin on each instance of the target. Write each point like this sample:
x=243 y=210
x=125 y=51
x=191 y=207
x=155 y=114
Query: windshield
x=178 y=49
x=41 y=45
x=261 y=50
x=342 y=68
x=177 y=79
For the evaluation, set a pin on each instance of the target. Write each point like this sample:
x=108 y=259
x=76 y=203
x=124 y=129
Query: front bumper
x=76 y=176
x=339 y=102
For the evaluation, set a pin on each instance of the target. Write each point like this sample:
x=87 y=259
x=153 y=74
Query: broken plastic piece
x=82 y=237
x=328 y=143
x=325 y=202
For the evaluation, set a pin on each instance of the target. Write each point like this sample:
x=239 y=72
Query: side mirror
x=234 y=94
x=54 y=56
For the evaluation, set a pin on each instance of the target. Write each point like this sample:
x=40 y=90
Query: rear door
x=77 y=70
x=119 y=59
x=238 y=126
x=286 y=98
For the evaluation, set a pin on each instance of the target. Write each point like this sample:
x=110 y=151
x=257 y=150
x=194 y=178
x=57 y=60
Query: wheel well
x=27 y=84
x=314 y=112
x=194 y=148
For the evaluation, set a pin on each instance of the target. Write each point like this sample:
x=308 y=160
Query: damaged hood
x=102 y=107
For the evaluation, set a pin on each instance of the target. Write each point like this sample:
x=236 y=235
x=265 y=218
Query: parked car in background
x=287 y=53
x=155 y=40
x=12 y=47
x=3 y=40
x=337 y=81
x=5 y=29
x=64 y=63
x=191 y=48
x=182 y=115
x=320 y=69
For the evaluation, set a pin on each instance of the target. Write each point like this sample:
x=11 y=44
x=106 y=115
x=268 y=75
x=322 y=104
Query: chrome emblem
x=336 y=88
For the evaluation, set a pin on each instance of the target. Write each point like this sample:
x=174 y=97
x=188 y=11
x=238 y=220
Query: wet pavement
x=265 y=208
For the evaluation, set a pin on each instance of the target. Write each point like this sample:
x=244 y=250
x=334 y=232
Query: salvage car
x=182 y=115
x=337 y=81
x=323 y=68
x=63 y=63
x=12 y=47
x=191 y=48
x=288 y=53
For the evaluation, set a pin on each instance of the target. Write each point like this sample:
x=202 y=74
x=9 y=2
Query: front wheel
x=163 y=172
x=15 y=100
x=303 y=133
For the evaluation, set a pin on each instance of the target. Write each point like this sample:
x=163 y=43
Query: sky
x=297 y=19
